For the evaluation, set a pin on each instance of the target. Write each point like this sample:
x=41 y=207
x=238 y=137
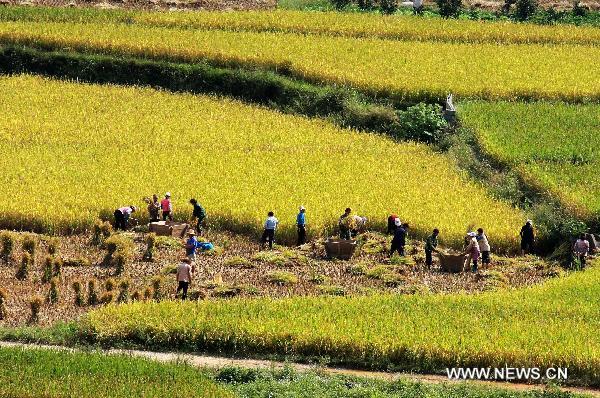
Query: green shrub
x=422 y=122
x=8 y=245
x=524 y=9
x=341 y=4
x=449 y=8
x=365 y=5
x=236 y=375
x=388 y=7
x=92 y=298
x=53 y=293
x=78 y=289
x=24 y=266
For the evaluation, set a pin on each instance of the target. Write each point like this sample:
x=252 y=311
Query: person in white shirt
x=484 y=247
x=269 y=232
x=122 y=215
x=184 y=277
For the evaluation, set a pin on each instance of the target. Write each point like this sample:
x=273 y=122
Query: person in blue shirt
x=269 y=233
x=190 y=245
x=301 y=223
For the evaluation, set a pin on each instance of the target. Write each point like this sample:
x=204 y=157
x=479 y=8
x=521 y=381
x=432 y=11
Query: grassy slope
x=236 y=158
x=38 y=373
x=375 y=66
x=553 y=145
x=554 y=324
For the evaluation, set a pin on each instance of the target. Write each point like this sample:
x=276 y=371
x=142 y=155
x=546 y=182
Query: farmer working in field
x=484 y=247
x=358 y=225
x=301 y=224
x=191 y=244
x=399 y=240
x=344 y=224
x=472 y=250
x=122 y=215
x=527 y=238
x=431 y=246
x=184 y=277
x=199 y=214
x=167 y=207
x=269 y=232
x=153 y=208
x=391 y=224
x=582 y=249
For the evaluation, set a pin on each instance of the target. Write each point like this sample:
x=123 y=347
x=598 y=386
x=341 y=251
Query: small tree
x=449 y=8
x=388 y=7
x=23 y=271
x=53 y=292
x=78 y=289
x=525 y=9
x=340 y=4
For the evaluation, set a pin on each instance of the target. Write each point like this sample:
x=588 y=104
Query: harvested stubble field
x=554 y=146
x=376 y=66
x=233 y=157
x=239 y=269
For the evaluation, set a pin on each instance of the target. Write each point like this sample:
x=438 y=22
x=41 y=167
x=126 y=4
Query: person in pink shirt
x=472 y=250
x=582 y=249
x=167 y=207
x=184 y=277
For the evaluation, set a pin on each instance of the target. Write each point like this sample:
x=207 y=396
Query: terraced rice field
x=384 y=67
x=105 y=147
x=554 y=146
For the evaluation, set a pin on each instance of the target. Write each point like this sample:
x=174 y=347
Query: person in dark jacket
x=399 y=240
x=199 y=214
x=391 y=224
x=431 y=246
x=344 y=224
x=153 y=208
x=527 y=238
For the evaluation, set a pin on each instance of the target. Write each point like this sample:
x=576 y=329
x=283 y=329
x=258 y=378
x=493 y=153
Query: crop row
x=402 y=70
x=403 y=27
x=554 y=146
x=552 y=325
x=106 y=147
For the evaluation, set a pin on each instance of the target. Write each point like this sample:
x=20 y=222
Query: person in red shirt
x=167 y=207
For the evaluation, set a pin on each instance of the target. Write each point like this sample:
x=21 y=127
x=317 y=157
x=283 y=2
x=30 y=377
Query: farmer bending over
x=122 y=215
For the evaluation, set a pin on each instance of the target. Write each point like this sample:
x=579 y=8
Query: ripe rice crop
x=107 y=146
x=398 y=27
x=550 y=325
x=405 y=71
x=554 y=146
x=45 y=373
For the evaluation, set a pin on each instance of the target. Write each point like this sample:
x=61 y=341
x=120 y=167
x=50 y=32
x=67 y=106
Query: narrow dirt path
x=219 y=362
